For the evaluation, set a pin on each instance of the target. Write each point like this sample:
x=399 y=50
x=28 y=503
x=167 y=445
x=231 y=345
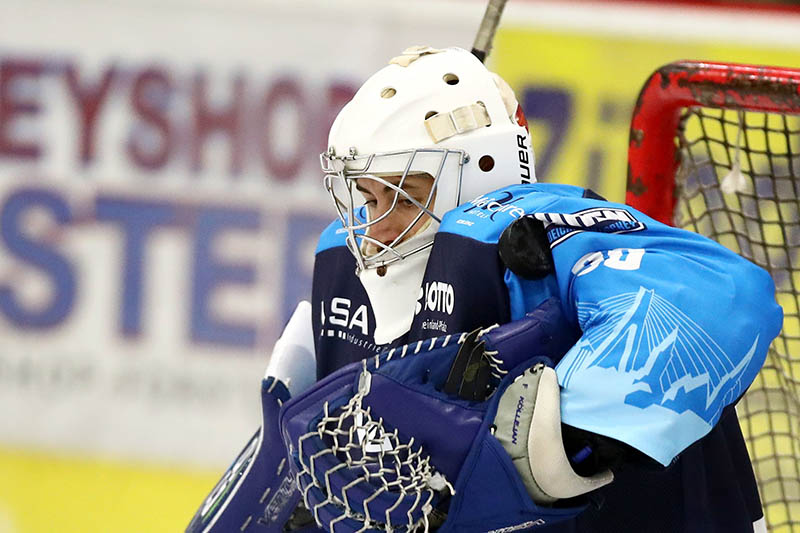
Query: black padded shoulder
x=525 y=250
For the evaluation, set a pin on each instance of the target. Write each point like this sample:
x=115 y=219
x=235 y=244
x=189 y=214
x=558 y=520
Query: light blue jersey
x=675 y=326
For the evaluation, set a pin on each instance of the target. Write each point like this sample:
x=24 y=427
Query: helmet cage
x=341 y=178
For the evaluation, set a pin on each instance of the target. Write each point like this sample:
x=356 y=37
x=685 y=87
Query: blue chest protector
x=674 y=328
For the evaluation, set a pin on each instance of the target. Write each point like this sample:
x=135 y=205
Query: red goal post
x=715 y=148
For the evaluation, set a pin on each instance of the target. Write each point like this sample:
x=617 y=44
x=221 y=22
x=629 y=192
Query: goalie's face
x=397 y=206
x=388 y=215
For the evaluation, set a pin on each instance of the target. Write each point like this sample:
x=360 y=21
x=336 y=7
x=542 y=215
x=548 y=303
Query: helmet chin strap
x=394 y=295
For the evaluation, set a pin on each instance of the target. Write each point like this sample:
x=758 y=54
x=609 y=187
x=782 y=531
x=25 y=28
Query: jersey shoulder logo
x=561 y=226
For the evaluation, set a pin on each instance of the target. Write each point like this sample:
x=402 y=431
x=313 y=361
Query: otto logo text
x=436 y=296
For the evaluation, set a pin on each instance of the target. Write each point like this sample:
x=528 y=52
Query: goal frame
x=653 y=156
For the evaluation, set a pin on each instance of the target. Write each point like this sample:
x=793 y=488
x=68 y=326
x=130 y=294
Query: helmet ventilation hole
x=450 y=78
x=429 y=114
x=486 y=163
x=388 y=92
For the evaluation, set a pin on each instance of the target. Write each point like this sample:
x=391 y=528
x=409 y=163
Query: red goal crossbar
x=653 y=155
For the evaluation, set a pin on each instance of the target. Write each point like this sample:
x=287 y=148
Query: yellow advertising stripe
x=42 y=493
x=579 y=90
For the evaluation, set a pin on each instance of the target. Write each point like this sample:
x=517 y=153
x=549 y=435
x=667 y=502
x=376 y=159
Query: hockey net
x=715 y=148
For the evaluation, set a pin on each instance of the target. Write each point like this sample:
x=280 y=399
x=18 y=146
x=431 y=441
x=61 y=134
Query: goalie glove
x=528 y=425
x=381 y=445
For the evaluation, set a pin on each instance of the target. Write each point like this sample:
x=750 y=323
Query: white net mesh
x=370 y=474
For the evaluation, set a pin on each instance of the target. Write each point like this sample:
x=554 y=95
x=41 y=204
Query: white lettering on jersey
x=359 y=319
x=340 y=315
x=436 y=296
x=617 y=259
x=624 y=258
x=340 y=311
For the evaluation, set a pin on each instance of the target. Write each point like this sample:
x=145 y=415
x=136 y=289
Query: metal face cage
x=391 y=170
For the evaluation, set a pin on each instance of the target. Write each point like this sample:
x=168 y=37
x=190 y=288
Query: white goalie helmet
x=438 y=113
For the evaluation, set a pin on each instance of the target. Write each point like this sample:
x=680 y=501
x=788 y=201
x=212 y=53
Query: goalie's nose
x=387 y=230
x=386 y=227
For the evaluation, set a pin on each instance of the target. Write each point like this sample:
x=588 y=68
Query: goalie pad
x=257 y=492
x=380 y=444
